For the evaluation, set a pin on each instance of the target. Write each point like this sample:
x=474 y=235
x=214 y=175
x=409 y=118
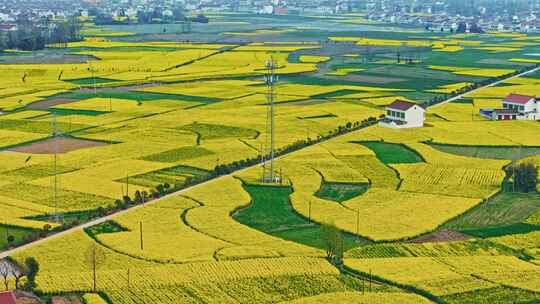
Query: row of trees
x=32 y=35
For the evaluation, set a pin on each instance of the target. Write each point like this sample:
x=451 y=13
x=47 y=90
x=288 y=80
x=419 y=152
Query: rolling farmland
x=165 y=138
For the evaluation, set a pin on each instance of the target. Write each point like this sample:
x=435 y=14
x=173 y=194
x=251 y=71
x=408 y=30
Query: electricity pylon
x=269 y=174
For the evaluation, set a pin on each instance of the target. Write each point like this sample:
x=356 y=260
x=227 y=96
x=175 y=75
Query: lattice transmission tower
x=268 y=153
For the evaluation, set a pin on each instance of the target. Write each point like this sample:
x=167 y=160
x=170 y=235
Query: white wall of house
x=532 y=116
x=414 y=117
x=502 y=116
x=528 y=107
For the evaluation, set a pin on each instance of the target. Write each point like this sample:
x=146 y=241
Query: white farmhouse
x=404 y=114
x=515 y=107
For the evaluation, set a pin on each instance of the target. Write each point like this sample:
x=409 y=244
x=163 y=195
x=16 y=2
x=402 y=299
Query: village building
x=404 y=114
x=515 y=107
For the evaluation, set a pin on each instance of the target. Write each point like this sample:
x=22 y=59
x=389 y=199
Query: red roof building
x=515 y=106
x=401 y=105
x=8 y=297
x=519 y=99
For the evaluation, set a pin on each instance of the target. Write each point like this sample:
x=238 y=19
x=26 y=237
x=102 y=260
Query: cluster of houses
x=453 y=16
x=435 y=15
x=402 y=114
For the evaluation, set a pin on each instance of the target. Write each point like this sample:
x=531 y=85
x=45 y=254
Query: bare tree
x=95 y=257
x=18 y=271
x=5 y=272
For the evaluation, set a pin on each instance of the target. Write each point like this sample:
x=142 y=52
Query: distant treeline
x=32 y=35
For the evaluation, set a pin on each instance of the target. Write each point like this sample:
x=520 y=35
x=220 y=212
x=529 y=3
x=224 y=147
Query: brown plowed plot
x=61 y=144
x=442 y=236
x=45 y=104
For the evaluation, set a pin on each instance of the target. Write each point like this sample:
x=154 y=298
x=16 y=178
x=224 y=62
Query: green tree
x=32 y=269
x=525 y=177
x=332 y=239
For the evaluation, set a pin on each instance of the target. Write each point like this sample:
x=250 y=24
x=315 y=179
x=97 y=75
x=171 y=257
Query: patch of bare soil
x=26 y=298
x=369 y=79
x=60 y=144
x=64 y=300
x=305 y=102
x=46 y=104
x=442 y=236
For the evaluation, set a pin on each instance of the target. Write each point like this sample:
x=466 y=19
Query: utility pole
x=93 y=78
x=358 y=222
x=514 y=176
x=309 y=212
x=141 y=236
x=262 y=162
x=55 y=133
x=370 y=280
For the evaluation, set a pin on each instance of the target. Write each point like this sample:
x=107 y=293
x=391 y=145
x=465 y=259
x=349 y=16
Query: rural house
x=515 y=106
x=404 y=114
